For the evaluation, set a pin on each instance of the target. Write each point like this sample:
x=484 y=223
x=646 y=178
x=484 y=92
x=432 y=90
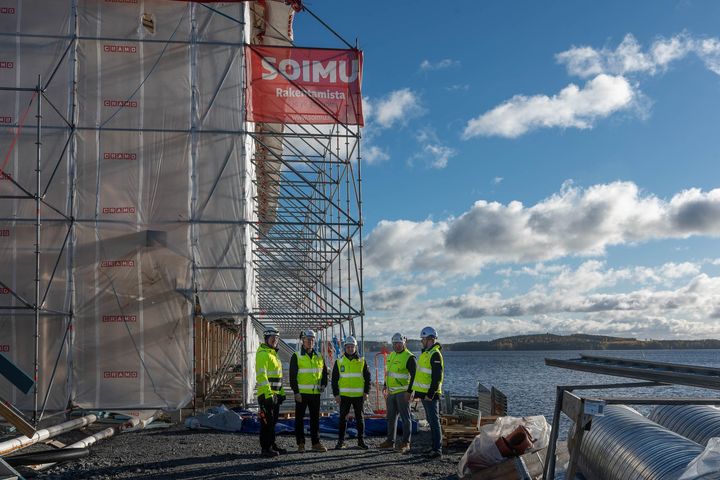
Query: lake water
x=530 y=385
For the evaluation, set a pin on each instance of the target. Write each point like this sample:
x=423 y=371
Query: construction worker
x=399 y=377
x=351 y=387
x=308 y=378
x=428 y=386
x=268 y=375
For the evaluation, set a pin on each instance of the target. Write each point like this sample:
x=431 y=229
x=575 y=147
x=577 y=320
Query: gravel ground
x=179 y=453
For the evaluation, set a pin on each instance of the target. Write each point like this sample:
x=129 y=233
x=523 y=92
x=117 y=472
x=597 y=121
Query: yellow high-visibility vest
x=423 y=375
x=397 y=376
x=352 y=382
x=309 y=373
x=268 y=371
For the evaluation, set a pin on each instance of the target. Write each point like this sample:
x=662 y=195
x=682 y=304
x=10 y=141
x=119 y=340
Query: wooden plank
x=12 y=415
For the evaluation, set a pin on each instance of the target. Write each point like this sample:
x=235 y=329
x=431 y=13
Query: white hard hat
x=309 y=333
x=350 y=340
x=269 y=331
x=428 y=332
x=398 y=338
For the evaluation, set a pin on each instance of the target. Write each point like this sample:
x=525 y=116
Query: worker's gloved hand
x=430 y=396
x=298 y=398
x=337 y=399
x=365 y=396
x=385 y=392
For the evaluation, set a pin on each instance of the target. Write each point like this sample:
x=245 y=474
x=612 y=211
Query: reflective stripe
x=397 y=375
x=262 y=384
x=351 y=390
x=309 y=370
x=351 y=375
x=398 y=389
x=309 y=387
x=276 y=384
x=421 y=385
x=425 y=370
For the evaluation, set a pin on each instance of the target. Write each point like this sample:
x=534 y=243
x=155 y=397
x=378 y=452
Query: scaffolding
x=140 y=207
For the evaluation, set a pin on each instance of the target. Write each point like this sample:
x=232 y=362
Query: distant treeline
x=559 y=342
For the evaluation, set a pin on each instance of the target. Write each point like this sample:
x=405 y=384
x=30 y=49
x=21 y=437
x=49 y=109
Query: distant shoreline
x=551 y=342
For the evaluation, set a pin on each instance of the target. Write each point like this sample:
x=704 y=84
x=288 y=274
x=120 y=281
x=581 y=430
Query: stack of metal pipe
x=624 y=445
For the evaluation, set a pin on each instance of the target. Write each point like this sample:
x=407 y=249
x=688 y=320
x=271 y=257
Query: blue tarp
x=374 y=427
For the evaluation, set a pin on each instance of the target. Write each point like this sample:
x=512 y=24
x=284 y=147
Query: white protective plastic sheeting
x=707 y=465
x=162 y=199
x=22 y=60
x=164 y=209
x=132 y=347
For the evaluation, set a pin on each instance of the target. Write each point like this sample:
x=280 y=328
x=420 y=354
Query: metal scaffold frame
x=305 y=232
x=309 y=261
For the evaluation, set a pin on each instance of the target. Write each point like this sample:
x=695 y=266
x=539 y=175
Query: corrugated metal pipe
x=624 y=445
x=698 y=423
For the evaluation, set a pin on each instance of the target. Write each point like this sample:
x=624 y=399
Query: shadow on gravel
x=241 y=466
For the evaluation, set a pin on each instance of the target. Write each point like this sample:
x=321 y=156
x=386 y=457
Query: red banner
x=304 y=85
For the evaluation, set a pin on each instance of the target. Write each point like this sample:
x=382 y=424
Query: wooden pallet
x=456 y=433
x=455 y=420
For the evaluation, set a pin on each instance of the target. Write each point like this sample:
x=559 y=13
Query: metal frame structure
x=581 y=409
x=307 y=258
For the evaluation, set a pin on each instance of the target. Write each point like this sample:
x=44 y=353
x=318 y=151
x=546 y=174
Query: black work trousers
x=357 y=404
x=269 y=412
x=310 y=401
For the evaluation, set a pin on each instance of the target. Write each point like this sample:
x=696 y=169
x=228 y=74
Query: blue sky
x=538 y=166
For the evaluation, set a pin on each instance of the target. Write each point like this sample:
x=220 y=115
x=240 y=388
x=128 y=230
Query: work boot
x=340 y=446
x=404 y=447
x=278 y=449
x=301 y=448
x=387 y=444
x=319 y=447
x=362 y=445
x=269 y=453
x=434 y=454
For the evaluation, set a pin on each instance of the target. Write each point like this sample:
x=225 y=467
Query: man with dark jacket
x=428 y=386
x=268 y=377
x=308 y=378
x=351 y=387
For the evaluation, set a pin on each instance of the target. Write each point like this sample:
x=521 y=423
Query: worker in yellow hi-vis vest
x=351 y=386
x=428 y=386
x=399 y=377
x=268 y=376
x=308 y=378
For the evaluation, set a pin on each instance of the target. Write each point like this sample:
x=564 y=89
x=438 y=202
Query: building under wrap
x=157 y=201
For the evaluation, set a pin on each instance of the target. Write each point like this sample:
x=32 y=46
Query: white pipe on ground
x=41 y=435
x=84 y=443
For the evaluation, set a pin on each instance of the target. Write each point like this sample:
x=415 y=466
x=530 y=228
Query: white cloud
x=432 y=151
x=439 y=154
x=629 y=58
x=572 y=107
x=573 y=222
x=612 y=86
x=689 y=308
x=390 y=298
x=498 y=180
x=395 y=108
x=427 y=65
x=374 y=155
x=458 y=87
